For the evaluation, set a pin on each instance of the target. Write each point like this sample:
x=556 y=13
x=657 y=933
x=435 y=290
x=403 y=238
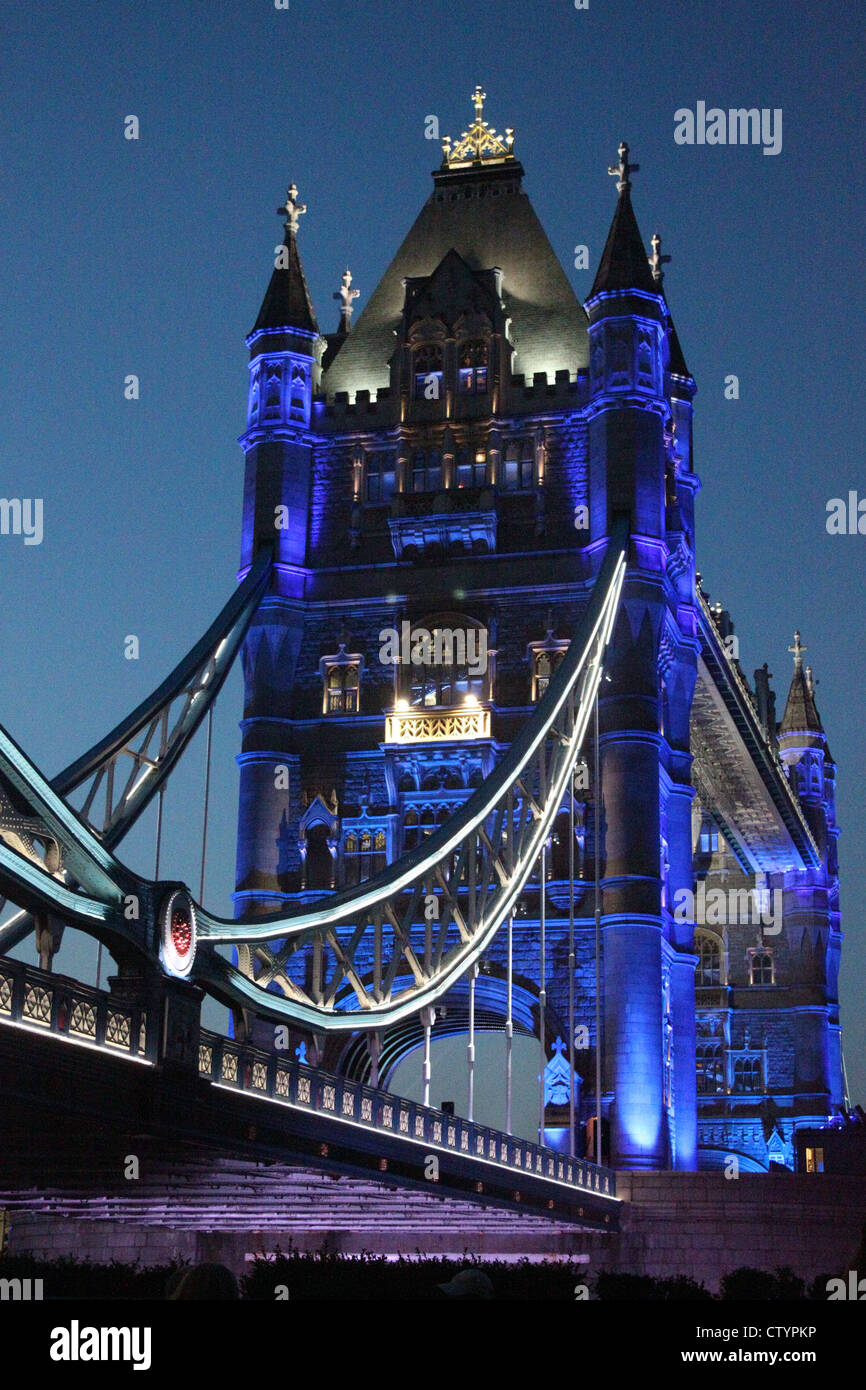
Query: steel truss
x=372 y=955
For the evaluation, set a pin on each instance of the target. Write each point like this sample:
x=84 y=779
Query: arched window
x=544 y=663
x=411 y=832
x=762 y=968
x=380 y=477
x=709 y=968
x=427 y=372
x=748 y=1075
x=519 y=466
x=319 y=865
x=710 y=1060
x=472 y=367
x=364 y=855
x=453 y=665
x=341 y=689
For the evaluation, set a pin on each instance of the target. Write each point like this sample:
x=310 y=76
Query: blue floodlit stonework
x=453 y=461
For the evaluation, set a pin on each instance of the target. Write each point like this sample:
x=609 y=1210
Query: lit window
x=341 y=689
x=427 y=370
x=472 y=370
x=709 y=967
x=453 y=668
x=814 y=1160
x=710 y=1060
x=471 y=468
x=762 y=968
x=709 y=840
x=364 y=855
x=544 y=664
x=748 y=1075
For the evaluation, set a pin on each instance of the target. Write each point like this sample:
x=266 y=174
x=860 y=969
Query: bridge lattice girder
x=369 y=962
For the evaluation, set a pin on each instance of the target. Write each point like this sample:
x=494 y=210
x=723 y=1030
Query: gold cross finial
x=623 y=169
x=479 y=144
x=292 y=208
x=657 y=260
x=798 y=649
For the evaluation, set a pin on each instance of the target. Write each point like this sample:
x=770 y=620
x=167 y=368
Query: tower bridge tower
x=437 y=480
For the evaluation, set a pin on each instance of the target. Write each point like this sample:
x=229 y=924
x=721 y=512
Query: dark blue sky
x=152 y=257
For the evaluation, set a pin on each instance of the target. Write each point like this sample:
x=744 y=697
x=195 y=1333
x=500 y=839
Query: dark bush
x=760 y=1286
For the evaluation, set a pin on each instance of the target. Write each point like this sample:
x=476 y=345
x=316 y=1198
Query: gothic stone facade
x=452 y=463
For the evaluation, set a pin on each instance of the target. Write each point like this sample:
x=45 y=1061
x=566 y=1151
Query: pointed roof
x=287 y=302
x=801 y=713
x=678 y=362
x=484 y=216
x=624 y=262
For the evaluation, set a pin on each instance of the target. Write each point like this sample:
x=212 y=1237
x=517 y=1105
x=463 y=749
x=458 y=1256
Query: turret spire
x=287 y=303
x=801 y=714
x=624 y=261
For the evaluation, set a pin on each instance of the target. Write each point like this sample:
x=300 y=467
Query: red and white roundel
x=178 y=943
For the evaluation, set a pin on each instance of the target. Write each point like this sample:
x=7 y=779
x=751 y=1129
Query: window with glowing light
x=364 y=855
x=544 y=663
x=342 y=685
x=472 y=367
x=427 y=372
x=710 y=1062
x=471 y=467
x=761 y=968
x=456 y=673
x=748 y=1075
x=709 y=953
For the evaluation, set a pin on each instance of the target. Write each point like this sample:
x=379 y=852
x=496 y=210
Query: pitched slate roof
x=800 y=710
x=485 y=217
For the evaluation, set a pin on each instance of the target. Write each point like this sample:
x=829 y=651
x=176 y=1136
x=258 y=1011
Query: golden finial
x=479 y=144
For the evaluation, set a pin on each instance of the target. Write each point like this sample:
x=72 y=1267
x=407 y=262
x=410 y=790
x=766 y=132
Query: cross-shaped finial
x=346 y=296
x=292 y=208
x=657 y=260
x=559 y=1047
x=623 y=169
x=798 y=649
x=479 y=97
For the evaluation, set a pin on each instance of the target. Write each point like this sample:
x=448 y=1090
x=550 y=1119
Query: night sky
x=151 y=257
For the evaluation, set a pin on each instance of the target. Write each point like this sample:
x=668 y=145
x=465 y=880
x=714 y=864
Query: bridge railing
x=242 y=1067
x=56 y=1004
x=34 y=998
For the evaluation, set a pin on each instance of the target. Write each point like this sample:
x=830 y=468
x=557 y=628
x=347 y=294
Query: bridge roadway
x=89 y=1077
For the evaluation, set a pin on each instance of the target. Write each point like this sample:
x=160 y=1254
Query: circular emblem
x=178 y=943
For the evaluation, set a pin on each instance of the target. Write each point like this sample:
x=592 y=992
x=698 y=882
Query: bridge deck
x=76 y=1104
